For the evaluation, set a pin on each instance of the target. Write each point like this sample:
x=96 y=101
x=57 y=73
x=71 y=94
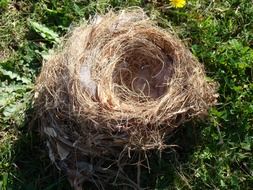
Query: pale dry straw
x=116 y=89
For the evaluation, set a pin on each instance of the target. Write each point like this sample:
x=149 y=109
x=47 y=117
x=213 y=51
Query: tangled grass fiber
x=113 y=92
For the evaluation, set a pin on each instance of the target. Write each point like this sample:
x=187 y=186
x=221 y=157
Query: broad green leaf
x=45 y=32
x=15 y=76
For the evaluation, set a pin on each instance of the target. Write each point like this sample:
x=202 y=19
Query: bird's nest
x=113 y=92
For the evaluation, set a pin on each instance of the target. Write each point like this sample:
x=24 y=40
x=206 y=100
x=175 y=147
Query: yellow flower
x=178 y=3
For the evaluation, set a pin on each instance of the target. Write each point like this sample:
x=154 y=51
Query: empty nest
x=118 y=86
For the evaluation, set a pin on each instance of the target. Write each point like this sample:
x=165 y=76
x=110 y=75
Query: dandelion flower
x=178 y=3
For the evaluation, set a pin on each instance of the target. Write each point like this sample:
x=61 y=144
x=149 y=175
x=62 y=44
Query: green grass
x=215 y=154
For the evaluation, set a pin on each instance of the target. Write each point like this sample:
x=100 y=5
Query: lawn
x=216 y=153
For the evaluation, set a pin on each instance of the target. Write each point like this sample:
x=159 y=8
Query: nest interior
x=118 y=86
x=144 y=70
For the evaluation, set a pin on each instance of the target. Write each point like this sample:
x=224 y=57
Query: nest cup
x=118 y=86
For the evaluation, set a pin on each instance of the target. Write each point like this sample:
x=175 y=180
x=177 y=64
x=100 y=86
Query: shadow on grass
x=34 y=171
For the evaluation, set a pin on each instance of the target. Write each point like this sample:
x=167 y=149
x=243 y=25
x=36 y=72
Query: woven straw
x=113 y=92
